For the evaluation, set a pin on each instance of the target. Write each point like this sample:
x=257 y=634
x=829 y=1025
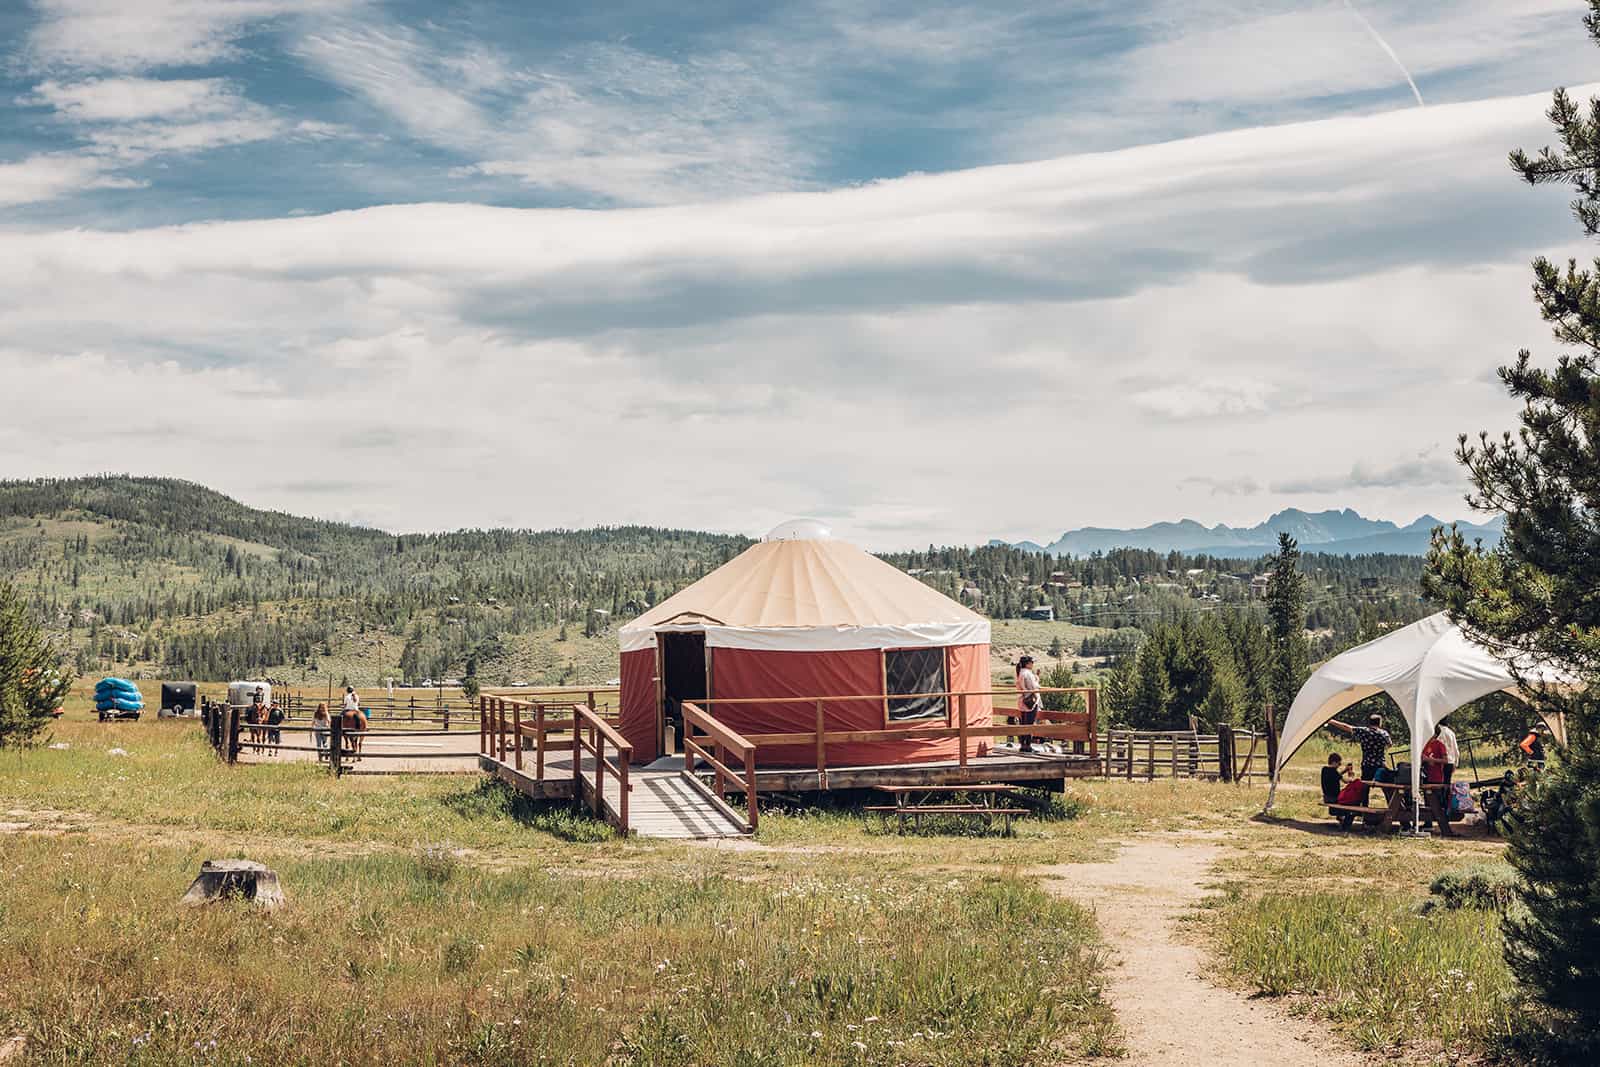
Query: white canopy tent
x=1429 y=669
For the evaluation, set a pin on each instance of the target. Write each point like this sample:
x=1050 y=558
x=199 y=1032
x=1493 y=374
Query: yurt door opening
x=683 y=677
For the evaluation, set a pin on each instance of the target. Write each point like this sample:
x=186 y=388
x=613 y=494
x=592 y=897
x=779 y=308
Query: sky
x=930 y=272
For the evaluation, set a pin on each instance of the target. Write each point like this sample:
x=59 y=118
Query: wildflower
x=859 y=1046
x=816 y=1035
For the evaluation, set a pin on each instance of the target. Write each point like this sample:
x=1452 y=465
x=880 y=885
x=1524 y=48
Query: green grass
x=1387 y=974
x=168 y=778
x=401 y=958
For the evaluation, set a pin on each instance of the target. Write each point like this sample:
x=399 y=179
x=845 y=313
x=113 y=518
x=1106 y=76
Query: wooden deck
x=661 y=802
x=1041 y=770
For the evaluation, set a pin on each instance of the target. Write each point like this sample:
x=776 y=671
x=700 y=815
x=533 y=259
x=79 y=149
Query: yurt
x=803 y=615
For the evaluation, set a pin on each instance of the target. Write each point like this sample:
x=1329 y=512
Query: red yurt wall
x=638 y=700
x=745 y=673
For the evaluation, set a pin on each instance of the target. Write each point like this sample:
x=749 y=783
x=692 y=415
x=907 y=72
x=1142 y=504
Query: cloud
x=1244 y=485
x=123 y=122
x=883 y=354
x=1429 y=469
x=602 y=119
x=51 y=175
x=138 y=35
x=1198 y=400
x=127 y=99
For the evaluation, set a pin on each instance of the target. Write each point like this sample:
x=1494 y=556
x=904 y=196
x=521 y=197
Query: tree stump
x=236 y=879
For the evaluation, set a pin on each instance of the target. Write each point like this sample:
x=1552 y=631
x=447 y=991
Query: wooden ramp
x=661 y=801
x=664 y=803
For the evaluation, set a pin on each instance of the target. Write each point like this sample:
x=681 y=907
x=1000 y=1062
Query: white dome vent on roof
x=799 y=530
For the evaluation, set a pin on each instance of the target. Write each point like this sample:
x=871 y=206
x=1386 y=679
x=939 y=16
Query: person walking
x=320 y=725
x=274 y=721
x=1028 y=701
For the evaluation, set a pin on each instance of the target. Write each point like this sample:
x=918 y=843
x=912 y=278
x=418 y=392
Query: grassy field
x=442 y=919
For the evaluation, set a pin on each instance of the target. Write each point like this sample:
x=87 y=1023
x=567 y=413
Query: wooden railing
x=592 y=734
x=1228 y=755
x=700 y=728
x=1076 y=727
x=505 y=725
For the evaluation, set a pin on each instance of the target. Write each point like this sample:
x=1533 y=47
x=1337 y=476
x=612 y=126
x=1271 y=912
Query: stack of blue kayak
x=117 y=694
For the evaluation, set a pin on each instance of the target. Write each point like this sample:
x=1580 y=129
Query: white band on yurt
x=819 y=638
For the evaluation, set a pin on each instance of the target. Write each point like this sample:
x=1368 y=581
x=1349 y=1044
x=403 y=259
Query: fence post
x=597 y=739
x=1150 y=758
x=961 y=724
x=516 y=730
x=335 y=743
x=623 y=758
x=499 y=740
x=1225 y=752
x=233 y=734
x=538 y=741
x=822 y=747
x=750 y=787
x=483 y=726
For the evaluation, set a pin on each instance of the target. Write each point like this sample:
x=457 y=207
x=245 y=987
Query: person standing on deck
x=1027 y=699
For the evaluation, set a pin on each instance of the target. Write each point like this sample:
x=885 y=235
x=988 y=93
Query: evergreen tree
x=33 y=679
x=1286 y=624
x=1534 y=591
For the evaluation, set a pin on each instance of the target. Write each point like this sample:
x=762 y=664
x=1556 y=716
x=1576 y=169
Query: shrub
x=1482 y=887
x=437 y=863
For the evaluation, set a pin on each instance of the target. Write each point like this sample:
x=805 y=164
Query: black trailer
x=178 y=698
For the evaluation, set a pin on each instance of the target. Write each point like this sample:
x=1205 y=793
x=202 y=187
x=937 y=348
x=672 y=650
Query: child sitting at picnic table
x=1334 y=776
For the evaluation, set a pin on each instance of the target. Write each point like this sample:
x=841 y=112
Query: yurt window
x=915 y=670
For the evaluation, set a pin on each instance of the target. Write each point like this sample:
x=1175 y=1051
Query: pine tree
x=1534 y=591
x=1286 y=621
x=33 y=678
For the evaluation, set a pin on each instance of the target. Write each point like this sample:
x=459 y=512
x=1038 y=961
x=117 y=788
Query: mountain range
x=1344 y=533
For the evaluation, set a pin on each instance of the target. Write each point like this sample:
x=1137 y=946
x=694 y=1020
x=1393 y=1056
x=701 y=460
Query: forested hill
x=180 y=577
x=168 y=577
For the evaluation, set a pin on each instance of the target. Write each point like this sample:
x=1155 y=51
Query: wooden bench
x=904 y=805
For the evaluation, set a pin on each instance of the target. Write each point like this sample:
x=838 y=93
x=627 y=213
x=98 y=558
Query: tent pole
x=1272 y=755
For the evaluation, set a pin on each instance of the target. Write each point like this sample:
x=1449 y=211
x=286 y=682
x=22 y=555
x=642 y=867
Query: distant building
x=1042 y=613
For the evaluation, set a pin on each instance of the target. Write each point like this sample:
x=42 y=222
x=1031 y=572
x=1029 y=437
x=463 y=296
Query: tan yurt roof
x=801 y=589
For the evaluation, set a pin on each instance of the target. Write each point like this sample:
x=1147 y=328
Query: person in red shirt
x=1435 y=754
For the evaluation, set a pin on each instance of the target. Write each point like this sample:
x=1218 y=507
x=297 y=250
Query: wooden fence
x=1230 y=755
x=231 y=735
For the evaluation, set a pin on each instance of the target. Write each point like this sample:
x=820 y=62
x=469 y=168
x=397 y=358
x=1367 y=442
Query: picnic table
x=1397 y=808
x=916 y=801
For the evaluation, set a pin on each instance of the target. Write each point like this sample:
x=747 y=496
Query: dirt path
x=1169 y=1011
